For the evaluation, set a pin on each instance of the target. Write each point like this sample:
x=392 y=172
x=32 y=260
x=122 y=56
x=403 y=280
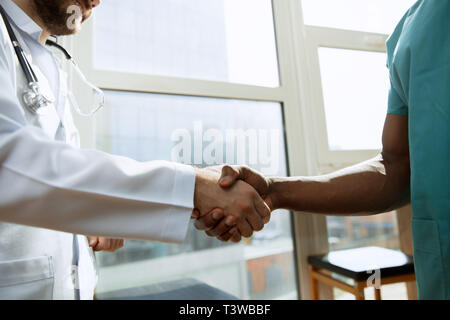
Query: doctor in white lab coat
x=52 y=192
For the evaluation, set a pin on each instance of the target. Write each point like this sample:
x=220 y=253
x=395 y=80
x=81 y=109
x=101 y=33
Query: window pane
x=223 y=40
x=356 y=232
x=355 y=89
x=202 y=131
x=365 y=15
x=353 y=232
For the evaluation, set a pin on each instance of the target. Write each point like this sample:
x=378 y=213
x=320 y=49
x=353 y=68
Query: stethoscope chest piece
x=35 y=101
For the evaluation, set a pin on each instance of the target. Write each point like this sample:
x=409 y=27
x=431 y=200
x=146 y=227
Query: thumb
x=269 y=203
x=228 y=177
x=93 y=241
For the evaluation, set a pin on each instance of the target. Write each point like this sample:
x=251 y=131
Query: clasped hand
x=231 y=202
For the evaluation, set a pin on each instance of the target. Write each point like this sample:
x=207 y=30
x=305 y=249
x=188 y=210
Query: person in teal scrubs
x=413 y=167
x=419 y=64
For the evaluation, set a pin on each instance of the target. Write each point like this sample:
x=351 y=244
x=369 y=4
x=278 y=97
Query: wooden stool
x=366 y=266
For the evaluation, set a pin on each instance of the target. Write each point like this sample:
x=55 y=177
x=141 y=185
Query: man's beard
x=58 y=20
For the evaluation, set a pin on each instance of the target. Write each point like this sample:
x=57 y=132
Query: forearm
x=372 y=187
x=60 y=187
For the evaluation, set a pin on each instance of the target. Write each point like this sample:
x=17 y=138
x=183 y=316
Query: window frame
x=324 y=37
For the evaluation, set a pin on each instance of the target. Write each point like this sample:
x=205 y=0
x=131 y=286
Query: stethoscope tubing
x=25 y=65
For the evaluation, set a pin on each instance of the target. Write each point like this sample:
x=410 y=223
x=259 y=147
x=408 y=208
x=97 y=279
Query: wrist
x=272 y=197
x=205 y=182
x=199 y=183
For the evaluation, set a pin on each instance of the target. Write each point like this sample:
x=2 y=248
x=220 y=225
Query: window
x=345 y=41
x=355 y=88
x=226 y=132
x=193 y=82
x=352 y=232
x=379 y=16
x=230 y=40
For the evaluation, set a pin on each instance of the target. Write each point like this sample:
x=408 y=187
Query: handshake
x=231 y=202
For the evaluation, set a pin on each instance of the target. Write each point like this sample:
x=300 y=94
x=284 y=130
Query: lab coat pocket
x=27 y=279
x=428 y=259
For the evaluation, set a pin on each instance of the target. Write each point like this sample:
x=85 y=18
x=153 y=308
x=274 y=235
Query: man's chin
x=66 y=31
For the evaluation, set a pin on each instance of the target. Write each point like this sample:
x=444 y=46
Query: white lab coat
x=50 y=189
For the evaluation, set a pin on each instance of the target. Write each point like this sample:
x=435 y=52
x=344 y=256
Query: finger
x=228 y=177
x=210 y=220
x=195 y=214
x=255 y=221
x=114 y=245
x=93 y=241
x=263 y=210
x=223 y=226
x=246 y=208
x=103 y=244
x=236 y=237
x=266 y=220
x=117 y=244
x=245 y=229
x=226 y=236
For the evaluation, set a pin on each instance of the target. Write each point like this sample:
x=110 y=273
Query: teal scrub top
x=419 y=65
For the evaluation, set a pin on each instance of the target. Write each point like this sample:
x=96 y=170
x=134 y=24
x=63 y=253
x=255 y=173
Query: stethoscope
x=36 y=101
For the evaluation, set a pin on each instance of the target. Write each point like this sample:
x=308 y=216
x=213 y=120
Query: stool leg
x=359 y=291
x=377 y=294
x=313 y=285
